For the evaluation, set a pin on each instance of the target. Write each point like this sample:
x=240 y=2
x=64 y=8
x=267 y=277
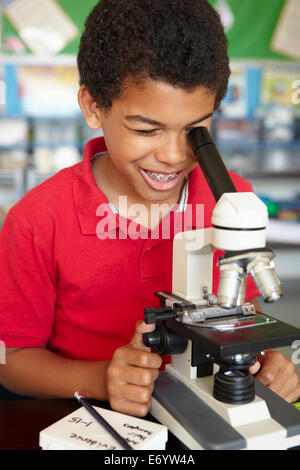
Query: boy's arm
x=126 y=381
x=276 y=372
x=40 y=373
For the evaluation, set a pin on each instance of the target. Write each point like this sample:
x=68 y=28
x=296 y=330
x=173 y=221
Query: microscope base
x=199 y=424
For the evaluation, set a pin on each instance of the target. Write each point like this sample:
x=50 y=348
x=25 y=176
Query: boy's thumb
x=255 y=368
x=259 y=361
x=137 y=339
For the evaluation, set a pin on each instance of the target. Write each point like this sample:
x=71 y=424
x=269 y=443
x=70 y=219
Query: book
x=80 y=431
x=235 y=103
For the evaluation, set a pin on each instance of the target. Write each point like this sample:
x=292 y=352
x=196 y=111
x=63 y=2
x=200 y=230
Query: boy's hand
x=131 y=375
x=277 y=373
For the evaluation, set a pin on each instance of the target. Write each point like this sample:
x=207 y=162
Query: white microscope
x=206 y=396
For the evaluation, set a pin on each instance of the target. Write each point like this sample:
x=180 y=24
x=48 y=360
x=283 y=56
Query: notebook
x=79 y=430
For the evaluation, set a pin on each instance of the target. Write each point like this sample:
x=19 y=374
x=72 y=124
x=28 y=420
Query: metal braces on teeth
x=162 y=177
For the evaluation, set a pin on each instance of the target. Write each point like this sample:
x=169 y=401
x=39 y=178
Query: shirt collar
x=87 y=194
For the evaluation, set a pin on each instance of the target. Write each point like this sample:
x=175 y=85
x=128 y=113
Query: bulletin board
x=254 y=25
x=78 y=10
x=249 y=38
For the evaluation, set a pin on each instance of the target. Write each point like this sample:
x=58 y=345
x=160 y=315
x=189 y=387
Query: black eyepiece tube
x=211 y=162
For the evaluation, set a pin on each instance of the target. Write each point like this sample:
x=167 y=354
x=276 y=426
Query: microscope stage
x=219 y=342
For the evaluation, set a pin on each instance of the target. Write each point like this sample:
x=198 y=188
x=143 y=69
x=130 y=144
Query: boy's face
x=145 y=131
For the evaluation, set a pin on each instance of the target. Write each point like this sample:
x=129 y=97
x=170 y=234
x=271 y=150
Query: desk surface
x=21 y=421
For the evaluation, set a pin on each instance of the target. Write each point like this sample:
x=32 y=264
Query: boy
x=71 y=292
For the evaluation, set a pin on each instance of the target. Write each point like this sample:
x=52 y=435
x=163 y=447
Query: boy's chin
x=161 y=197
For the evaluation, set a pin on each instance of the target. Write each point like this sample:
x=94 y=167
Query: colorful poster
x=2 y=91
x=279 y=87
x=49 y=91
x=235 y=103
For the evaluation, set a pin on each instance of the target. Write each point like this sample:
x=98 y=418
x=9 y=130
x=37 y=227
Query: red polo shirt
x=66 y=286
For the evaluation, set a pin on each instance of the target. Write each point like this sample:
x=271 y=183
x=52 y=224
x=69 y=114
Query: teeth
x=162 y=177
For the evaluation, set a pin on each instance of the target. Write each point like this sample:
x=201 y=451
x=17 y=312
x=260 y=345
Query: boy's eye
x=145 y=132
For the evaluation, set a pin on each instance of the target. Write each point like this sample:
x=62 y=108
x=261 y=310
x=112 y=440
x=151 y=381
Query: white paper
x=79 y=430
x=286 y=39
x=43 y=25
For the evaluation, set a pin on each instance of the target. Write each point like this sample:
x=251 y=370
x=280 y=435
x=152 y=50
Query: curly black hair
x=180 y=42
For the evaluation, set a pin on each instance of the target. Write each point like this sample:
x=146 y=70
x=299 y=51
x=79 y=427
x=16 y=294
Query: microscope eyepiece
x=210 y=161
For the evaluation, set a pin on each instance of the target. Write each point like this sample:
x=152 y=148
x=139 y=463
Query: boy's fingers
x=258 y=364
x=131 y=356
x=139 y=376
x=133 y=393
x=255 y=368
x=137 y=339
x=130 y=407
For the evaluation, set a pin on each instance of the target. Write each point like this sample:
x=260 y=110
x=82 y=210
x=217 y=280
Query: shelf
x=14 y=178
x=34 y=178
x=34 y=145
x=282 y=246
x=75 y=118
x=262 y=145
x=272 y=175
x=6 y=148
x=283 y=233
x=7 y=175
x=63 y=59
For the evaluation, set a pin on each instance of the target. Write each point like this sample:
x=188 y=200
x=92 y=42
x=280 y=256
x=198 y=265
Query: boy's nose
x=172 y=152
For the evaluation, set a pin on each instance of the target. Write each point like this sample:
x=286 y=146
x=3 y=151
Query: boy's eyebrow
x=146 y=120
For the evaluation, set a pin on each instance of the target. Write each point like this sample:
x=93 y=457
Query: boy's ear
x=91 y=112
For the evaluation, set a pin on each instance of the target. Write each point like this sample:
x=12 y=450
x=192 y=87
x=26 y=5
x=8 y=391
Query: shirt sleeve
x=27 y=286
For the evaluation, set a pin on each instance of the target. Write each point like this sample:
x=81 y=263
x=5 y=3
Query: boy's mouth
x=161 y=181
x=161 y=176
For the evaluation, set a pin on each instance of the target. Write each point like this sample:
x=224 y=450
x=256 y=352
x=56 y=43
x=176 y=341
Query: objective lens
x=242 y=291
x=266 y=279
x=231 y=276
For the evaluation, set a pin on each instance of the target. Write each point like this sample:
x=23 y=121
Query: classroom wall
x=250 y=36
x=255 y=22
